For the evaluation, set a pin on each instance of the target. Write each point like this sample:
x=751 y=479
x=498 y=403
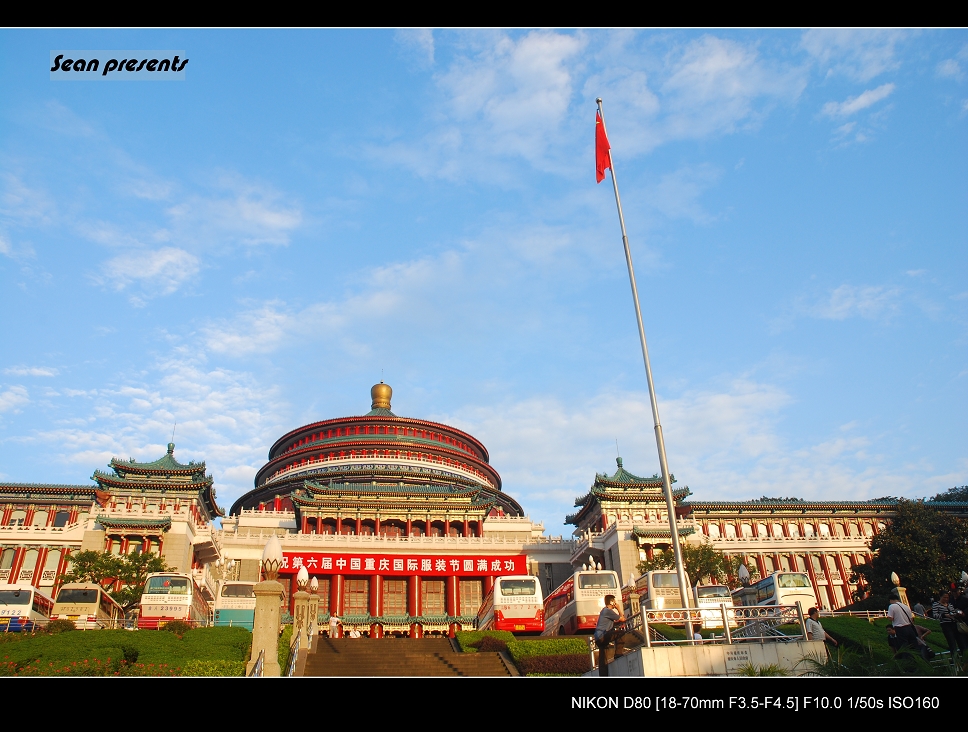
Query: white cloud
x=857 y=54
x=157 y=272
x=951 y=69
x=852 y=105
x=677 y=194
x=31 y=371
x=226 y=418
x=865 y=301
x=725 y=445
x=417 y=43
x=249 y=214
x=13 y=398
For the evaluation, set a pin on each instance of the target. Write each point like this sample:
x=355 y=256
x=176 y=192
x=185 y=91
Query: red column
x=376 y=604
x=453 y=602
x=7 y=510
x=18 y=560
x=29 y=518
x=39 y=567
x=305 y=524
x=466 y=528
x=413 y=604
x=336 y=596
x=830 y=582
x=409 y=526
x=51 y=515
x=376 y=526
x=762 y=565
x=61 y=568
x=480 y=527
x=808 y=558
x=359 y=525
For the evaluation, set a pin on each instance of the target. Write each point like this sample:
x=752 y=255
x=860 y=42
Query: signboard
x=349 y=563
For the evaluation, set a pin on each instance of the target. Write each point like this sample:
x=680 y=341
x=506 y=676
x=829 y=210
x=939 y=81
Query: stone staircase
x=398 y=657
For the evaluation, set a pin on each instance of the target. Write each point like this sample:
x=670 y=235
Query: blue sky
x=248 y=250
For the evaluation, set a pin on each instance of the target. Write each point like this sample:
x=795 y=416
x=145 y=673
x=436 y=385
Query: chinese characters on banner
x=405 y=565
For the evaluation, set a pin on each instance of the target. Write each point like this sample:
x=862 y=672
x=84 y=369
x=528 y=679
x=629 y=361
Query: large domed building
x=404 y=522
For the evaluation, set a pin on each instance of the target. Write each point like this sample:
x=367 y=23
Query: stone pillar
x=265 y=630
x=300 y=611
x=314 y=615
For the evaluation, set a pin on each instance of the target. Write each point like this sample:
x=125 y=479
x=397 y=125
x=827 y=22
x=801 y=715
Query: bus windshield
x=517 y=587
x=714 y=591
x=238 y=591
x=670 y=579
x=167 y=586
x=605 y=580
x=793 y=580
x=14 y=597
x=77 y=596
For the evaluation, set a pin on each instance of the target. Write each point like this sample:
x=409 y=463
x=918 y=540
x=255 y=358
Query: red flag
x=602 y=158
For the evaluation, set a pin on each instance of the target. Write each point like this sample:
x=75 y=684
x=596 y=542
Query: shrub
x=490 y=644
x=468 y=639
x=214 y=668
x=60 y=626
x=566 y=665
x=178 y=627
x=285 y=642
x=554 y=647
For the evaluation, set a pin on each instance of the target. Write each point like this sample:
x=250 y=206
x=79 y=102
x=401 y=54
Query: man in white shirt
x=902 y=620
x=815 y=630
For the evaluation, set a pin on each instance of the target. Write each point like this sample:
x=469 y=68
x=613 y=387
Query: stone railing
x=27 y=533
x=383 y=542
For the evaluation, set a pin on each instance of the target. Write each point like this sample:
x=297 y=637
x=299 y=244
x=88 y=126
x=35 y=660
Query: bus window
x=714 y=591
x=794 y=580
x=665 y=580
x=167 y=586
x=14 y=597
x=600 y=581
x=76 y=596
x=517 y=587
x=240 y=590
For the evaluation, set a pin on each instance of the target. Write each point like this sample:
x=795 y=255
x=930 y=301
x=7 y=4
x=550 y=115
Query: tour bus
x=710 y=600
x=513 y=604
x=780 y=588
x=235 y=605
x=23 y=606
x=574 y=607
x=88 y=605
x=659 y=589
x=172 y=596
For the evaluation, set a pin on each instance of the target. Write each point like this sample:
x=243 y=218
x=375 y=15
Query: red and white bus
x=23 y=607
x=514 y=604
x=172 y=596
x=574 y=607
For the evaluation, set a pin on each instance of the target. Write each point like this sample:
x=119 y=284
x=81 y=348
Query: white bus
x=710 y=600
x=88 y=605
x=515 y=604
x=23 y=607
x=574 y=607
x=172 y=596
x=780 y=588
x=659 y=589
x=235 y=605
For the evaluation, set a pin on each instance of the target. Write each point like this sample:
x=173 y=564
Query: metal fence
x=758 y=624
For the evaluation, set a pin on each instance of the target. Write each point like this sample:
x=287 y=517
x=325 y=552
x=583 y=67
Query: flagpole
x=659 y=441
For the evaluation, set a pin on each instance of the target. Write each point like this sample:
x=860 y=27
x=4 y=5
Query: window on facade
x=432 y=597
x=61 y=518
x=761 y=530
x=777 y=529
x=40 y=518
x=357 y=597
x=28 y=566
x=730 y=531
x=470 y=597
x=793 y=529
x=808 y=530
x=824 y=530
x=747 y=531
x=714 y=531
x=395 y=597
x=838 y=530
x=17 y=518
x=6 y=558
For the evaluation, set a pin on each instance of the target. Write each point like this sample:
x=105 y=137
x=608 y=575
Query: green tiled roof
x=379 y=412
x=165 y=462
x=110 y=522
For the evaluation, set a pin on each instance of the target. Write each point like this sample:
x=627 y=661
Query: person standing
x=815 y=630
x=902 y=622
x=946 y=614
x=605 y=631
x=333 y=626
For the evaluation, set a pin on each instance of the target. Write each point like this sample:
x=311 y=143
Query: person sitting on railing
x=606 y=632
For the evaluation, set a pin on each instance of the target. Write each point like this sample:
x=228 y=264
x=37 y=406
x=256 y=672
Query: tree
x=107 y=570
x=702 y=562
x=958 y=493
x=927 y=549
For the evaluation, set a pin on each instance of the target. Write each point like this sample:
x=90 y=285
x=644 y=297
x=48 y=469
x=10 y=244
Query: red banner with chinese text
x=349 y=563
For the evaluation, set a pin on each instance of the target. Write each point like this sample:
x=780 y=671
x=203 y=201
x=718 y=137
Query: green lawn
x=42 y=654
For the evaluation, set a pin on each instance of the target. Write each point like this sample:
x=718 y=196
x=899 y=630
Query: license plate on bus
x=519 y=627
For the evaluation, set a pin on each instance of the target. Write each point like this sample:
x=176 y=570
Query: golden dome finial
x=380 y=394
